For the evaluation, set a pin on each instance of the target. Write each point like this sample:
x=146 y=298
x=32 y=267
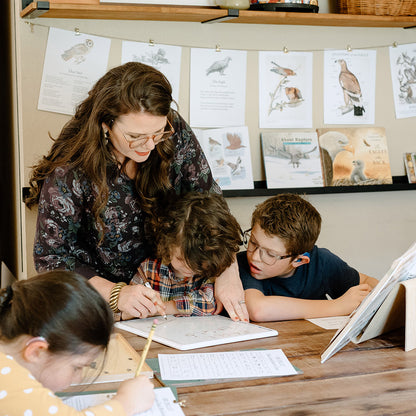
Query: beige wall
x=367 y=229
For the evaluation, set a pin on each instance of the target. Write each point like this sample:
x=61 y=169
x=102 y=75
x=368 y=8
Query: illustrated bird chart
x=165 y=58
x=349 y=86
x=403 y=76
x=228 y=152
x=285 y=89
x=73 y=63
x=217 y=87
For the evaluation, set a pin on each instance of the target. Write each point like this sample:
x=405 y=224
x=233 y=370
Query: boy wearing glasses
x=285 y=275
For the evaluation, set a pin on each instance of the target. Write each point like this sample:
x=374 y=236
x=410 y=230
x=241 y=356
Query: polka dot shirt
x=22 y=395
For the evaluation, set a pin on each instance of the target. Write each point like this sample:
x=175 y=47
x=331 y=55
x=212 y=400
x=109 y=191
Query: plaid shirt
x=192 y=297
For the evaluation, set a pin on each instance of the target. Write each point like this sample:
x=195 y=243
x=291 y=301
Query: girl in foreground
x=51 y=327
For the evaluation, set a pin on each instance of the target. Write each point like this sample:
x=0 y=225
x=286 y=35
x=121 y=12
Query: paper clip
x=76 y=31
x=285 y=50
x=181 y=403
x=349 y=48
x=151 y=42
x=217 y=48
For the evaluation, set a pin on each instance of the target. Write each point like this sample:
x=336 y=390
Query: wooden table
x=376 y=377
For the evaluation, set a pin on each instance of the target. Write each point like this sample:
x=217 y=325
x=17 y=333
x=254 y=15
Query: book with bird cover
x=410 y=166
x=228 y=152
x=291 y=159
x=354 y=156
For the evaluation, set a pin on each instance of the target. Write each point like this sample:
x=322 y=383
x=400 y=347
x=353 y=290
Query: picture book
x=402 y=269
x=410 y=165
x=228 y=152
x=354 y=156
x=291 y=159
x=191 y=332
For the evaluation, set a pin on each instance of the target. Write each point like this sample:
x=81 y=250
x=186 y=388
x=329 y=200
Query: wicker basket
x=378 y=7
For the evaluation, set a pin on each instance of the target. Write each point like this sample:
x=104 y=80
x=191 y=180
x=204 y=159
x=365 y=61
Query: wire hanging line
x=217 y=47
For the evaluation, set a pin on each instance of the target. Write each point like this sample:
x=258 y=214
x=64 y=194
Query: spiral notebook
x=191 y=332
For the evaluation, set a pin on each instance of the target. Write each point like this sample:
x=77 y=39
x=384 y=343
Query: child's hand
x=138 y=301
x=349 y=301
x=136 y=395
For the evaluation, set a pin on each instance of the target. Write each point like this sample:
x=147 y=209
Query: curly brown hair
x=132 y=87
x=290 y=218
x=202 y=227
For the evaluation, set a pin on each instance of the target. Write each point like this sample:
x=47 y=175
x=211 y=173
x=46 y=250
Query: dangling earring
x=106 y=137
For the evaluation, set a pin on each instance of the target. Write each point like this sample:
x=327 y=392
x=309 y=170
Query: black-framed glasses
x=266 y=256
x=142 y=139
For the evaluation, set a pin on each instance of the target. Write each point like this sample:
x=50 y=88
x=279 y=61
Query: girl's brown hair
x=132 y=87
x=60 y=306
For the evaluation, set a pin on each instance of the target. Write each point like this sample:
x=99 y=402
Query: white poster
x=165 y=58
x=73 y=63
x=403 y=77
x=349 y=86
x=217 y=87
x=228 y=152
x=285 y=89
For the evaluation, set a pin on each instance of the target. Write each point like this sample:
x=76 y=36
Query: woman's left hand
x=229 y=293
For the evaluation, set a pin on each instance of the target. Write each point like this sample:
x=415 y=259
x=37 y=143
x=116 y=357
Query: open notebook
x=191 y=332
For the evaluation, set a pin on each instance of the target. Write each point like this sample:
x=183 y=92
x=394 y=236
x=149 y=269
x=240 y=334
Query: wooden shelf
x=400 y=183
x=92 y=9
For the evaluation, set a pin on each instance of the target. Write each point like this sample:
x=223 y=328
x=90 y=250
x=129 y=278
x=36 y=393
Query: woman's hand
x=229 y=293
x=138 y=301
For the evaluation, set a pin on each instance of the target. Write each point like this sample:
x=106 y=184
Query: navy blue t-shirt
x=325 y=274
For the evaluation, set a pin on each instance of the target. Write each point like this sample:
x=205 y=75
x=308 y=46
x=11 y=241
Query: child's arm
x=369 y=280
x=263 y=308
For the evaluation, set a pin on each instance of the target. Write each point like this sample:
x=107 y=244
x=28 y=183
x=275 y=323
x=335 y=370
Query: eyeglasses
x=266 y=256
x=142 y=139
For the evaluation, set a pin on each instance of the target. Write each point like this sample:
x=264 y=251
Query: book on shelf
x=354 y=156
x=410 y=165
x=227 y=150
x=291 y=159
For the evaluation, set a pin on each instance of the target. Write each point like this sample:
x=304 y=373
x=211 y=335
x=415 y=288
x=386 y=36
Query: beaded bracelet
x=114 y=295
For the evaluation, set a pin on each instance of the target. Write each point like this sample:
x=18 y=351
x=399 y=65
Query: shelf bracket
x=409 y=27
x=232 y=14
x=41 y=8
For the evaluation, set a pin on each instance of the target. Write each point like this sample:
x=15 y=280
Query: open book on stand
x=375 y=313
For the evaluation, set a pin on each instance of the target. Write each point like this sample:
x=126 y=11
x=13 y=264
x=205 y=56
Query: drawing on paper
x=78 y=52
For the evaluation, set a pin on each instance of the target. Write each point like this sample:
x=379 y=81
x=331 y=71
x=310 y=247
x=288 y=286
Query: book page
x=230 y=364
x=164 y=404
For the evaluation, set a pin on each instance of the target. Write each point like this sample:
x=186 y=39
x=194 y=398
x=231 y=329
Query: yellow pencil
x=146 y=348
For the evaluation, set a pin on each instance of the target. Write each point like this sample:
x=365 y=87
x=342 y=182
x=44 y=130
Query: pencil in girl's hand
x=146 y=348
x=147 y=284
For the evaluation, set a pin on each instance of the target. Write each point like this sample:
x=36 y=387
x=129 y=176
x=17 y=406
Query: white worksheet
x=230 y=364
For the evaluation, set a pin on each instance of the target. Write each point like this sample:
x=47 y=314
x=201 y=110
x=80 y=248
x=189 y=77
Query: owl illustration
x=77 y=52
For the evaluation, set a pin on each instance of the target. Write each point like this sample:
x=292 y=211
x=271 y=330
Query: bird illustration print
x=77 y=52
x=219 y=66
x=351 y=89
x=235 y=141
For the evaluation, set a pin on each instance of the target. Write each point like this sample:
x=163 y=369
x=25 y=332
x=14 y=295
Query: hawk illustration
x=219 y=66
x=235 y=167
x=351 y=88
x=78 y=52
x=294 y=156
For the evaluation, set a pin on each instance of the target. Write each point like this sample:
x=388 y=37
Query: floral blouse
x=67 y=236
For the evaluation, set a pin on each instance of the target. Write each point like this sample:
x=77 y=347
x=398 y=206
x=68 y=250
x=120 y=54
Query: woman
x=123 y=150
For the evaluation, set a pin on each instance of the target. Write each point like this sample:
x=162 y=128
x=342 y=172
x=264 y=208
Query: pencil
x=147 y=284
x=146 y=348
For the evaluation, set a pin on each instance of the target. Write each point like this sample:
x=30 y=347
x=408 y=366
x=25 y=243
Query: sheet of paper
x=330 y=322
x=165 y=58
x=230 y=364
x=285 y=89
x=349 y=86
x=217 y=87
x=164 y=404
x=403 y=77
x=73 y=63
